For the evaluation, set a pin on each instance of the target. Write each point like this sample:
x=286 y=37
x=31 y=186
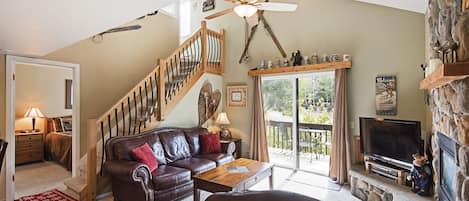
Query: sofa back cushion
x=122 y=150
x=192 y=137
x=158 y=151
x=175 y=145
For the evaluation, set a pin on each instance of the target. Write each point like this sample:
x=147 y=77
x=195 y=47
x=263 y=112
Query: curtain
x=258 y=148
x=340 y=155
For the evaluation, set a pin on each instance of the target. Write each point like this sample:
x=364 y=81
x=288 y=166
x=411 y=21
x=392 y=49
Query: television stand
x=396 y=174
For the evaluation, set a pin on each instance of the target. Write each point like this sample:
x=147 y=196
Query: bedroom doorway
x=42 y=119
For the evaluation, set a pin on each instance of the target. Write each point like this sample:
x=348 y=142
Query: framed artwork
x=386 y=95
x=68 y=94
x=208 y=5
x=236 y=95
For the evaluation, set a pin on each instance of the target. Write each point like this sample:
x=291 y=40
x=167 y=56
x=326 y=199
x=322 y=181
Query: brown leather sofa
x=177 y=151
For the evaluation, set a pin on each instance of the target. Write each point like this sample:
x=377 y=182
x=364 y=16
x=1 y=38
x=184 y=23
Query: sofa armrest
x=130 y=180
x=128 y=171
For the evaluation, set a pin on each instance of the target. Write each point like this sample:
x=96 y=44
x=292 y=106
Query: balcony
x=314 y=145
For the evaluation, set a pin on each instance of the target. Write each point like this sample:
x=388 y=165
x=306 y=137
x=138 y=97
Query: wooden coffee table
x=221 y=180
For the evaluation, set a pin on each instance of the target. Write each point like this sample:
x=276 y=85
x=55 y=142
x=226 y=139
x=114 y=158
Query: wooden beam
x=272 y=35
x=251 y=35
x=302 y=69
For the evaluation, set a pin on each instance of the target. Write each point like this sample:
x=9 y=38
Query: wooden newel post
x=161 y=91
x=91 y=175
x=204 y=45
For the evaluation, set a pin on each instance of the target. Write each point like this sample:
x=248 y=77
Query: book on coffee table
x=237 y=169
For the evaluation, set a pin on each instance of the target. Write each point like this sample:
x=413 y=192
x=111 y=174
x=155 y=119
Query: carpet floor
x=39 y=177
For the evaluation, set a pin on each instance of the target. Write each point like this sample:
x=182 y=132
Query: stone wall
x=450 y=110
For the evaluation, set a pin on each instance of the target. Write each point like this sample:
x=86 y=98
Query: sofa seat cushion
x=166 y=176
x=195 y=165
x=219 y=158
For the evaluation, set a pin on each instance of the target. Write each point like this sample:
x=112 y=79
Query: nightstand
x=29 y=147
x=224 y=146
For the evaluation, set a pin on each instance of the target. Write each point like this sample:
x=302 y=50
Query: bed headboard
x=60 y=124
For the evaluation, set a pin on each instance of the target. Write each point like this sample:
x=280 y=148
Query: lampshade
x=222 y=119
x=245 y=10
x=33 y=112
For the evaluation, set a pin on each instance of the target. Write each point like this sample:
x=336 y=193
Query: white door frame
x=11 y=62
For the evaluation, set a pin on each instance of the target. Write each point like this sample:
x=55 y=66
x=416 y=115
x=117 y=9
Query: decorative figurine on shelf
x=421 y=175
x=306 y=60
x=297 y=59
x=270 y=64
x=262 y=64
x=292 y=59
x=314 y=58
x=286 y=62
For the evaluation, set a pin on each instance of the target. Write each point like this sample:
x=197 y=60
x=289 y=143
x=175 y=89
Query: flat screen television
x=392 y=141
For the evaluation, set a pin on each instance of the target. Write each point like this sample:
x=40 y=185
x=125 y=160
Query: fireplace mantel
x=445 y=74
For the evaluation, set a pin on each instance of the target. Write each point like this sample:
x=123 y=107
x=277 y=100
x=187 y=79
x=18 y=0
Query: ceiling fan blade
x=218 y=14
x=274 y=6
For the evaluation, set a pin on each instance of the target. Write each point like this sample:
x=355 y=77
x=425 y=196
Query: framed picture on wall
x=386 y=95
x=208 y=5
x=68 y=94
x=236 y=95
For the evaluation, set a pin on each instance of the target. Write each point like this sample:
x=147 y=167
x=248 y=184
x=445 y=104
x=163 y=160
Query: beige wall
x=111 y=68
x=381 y=40
x=42 y=87
x=186 y=113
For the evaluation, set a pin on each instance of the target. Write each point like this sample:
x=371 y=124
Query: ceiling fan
x=247 y=8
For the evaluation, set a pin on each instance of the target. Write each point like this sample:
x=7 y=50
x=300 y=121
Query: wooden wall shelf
x=445 y=74
x=302 y=69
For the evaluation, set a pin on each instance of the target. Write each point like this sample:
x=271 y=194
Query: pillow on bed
x=57 y=125
x=66 y=123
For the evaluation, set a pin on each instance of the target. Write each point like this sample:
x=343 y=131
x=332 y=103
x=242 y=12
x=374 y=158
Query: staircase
x=149 y=102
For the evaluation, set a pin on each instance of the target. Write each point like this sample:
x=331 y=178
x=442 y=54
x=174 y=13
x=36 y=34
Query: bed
x=58 y=142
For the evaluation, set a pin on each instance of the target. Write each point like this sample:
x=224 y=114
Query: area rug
x=52 y=195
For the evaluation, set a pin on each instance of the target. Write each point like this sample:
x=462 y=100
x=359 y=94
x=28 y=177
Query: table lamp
x=223 y=121
x=33 y=112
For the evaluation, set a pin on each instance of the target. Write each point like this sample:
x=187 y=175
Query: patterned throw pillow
x=210 y=143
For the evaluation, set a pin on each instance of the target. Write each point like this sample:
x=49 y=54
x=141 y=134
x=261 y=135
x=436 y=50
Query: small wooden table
x=221 y=180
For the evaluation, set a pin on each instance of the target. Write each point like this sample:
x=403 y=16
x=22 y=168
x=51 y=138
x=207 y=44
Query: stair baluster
x=123 y=119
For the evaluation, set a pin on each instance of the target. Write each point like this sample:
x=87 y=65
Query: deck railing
x=313 y=139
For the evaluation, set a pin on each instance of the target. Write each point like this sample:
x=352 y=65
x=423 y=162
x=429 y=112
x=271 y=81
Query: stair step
x=77 y=184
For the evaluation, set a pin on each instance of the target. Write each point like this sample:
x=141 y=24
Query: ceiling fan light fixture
x=245 y=10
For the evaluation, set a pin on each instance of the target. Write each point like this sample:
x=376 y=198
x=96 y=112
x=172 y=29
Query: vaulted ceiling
x=39 y=27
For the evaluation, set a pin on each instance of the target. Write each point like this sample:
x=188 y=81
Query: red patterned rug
x=52 y=195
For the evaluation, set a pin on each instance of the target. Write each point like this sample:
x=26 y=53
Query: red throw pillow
x=144 y=154
x=210 y=143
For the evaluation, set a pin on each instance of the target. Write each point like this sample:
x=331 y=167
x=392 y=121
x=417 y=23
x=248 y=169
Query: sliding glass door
x=298 y=112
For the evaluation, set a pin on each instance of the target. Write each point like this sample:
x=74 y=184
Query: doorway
x=298 y=111
x=24 y=78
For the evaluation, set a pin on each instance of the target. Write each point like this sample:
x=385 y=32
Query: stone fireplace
x=450 y=141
